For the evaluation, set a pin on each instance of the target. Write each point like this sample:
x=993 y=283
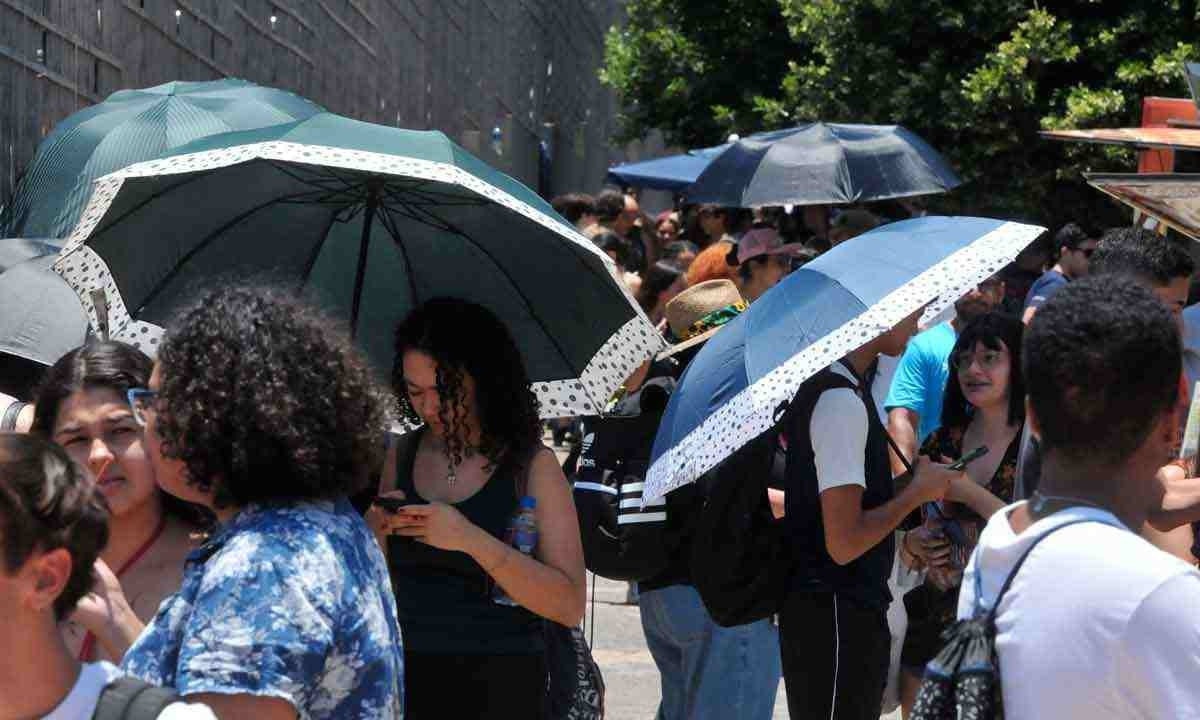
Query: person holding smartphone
x=983 y=413
x=841 y=512
x=448 y=492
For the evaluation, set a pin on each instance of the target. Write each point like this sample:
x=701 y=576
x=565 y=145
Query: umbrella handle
x=100 y=302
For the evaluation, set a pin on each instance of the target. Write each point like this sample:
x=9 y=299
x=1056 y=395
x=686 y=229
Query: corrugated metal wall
x=528 y=67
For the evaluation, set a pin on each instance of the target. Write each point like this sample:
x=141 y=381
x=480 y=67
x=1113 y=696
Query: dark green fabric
x=129 y=127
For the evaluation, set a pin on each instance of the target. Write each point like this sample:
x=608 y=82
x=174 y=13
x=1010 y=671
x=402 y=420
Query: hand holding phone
x=961 y=464
x=390 y=503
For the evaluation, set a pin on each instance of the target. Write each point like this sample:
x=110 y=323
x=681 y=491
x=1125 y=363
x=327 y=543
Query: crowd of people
x=887 y=538
x=233 y=529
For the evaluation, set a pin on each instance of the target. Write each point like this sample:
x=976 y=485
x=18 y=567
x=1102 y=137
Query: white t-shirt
x=80 y=703
x=838 y=430
x=1097 y=623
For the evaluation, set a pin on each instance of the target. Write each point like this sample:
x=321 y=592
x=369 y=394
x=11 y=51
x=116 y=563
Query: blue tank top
x=443 y=598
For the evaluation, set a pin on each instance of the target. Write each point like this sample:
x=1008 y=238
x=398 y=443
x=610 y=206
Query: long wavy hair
x=465 y=339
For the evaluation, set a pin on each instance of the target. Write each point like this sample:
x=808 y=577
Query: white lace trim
x=86 y=272
x=751 y=412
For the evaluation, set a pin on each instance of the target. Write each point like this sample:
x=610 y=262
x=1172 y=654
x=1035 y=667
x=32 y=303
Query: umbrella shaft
x=361 y=271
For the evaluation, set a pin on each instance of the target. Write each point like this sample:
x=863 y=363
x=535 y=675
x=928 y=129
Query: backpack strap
x=128 y=698
x=991 y=616
x=9 y=422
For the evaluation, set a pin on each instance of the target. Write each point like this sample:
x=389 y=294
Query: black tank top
x=863 y=580
x=443 y=598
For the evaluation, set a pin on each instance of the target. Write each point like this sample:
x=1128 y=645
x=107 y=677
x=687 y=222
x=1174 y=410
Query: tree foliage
x=693 y=68
x=977 y=79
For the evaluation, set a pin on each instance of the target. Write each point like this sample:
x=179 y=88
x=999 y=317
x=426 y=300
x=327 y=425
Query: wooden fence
x=527 y=67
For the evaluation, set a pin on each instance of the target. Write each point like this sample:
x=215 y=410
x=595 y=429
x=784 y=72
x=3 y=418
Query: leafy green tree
x=980 y=79
x=693 y=68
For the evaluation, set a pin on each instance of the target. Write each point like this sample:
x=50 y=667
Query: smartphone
x=391 y=504
x=962 y=463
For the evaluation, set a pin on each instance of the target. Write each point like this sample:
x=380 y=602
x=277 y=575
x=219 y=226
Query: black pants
x=466 y=687
x=835 y=657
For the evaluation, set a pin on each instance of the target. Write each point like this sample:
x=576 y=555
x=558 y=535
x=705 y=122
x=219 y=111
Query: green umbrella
x=369 y=221
x=131 y=126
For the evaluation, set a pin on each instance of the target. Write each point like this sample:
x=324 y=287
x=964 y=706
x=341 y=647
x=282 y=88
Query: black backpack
x=741 y=547
x=621 y=539
x=963 y=680
x=128 y=698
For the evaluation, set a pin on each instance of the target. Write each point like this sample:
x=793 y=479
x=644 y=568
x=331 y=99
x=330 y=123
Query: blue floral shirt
x=292 y=602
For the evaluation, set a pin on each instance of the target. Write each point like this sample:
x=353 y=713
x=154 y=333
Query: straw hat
x=696 y=313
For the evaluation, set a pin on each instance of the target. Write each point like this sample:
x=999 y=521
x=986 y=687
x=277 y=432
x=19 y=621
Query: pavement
x=619 y=648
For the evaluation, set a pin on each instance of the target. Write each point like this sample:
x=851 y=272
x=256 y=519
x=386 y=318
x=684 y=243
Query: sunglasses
x=141 y=402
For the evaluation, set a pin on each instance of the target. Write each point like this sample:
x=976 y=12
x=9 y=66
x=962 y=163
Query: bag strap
x=991 y=617
x=9 y=422
x=128 y=698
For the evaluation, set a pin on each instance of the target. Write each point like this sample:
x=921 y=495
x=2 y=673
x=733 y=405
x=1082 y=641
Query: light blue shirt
x=920 y=380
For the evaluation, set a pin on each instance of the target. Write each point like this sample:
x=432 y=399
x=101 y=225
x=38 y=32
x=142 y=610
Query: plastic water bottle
x=522 y=534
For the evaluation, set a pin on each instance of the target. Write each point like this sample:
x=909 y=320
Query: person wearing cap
x=707 y=671
x=763 y=259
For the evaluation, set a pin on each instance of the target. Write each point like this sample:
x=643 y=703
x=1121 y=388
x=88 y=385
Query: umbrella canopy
x=128 y=127
x=41 y=319
x=673 y=172
x=823 y=163
x=369 y=221
x=17 y=250
x=832 y=306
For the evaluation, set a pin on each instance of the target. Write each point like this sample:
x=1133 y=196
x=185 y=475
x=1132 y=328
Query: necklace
x=89 y=640
x=451 y=473
x=1038 y=503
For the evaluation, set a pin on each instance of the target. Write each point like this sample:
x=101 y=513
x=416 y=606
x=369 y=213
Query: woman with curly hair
x=458 y=372
x=259 y=410
x=82 y=406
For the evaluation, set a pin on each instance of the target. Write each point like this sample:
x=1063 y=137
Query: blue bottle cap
x=528 y=502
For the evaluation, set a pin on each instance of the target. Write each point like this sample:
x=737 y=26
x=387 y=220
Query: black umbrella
x=823 y=164
x=41 y=319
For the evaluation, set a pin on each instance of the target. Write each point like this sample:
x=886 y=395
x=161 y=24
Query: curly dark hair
x=466 y=339
x=47 y=503
x=265 y=401
x=109 y=365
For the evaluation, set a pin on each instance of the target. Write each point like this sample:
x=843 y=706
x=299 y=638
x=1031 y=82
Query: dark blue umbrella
x=673 y=172
x=830 y=307
x=823 y=163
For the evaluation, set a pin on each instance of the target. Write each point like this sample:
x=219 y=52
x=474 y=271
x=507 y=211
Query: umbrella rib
x=390 y=225
x=204 y=243
x=512 y=283
x=154 y=196
x=311 y=262
x=315 y=179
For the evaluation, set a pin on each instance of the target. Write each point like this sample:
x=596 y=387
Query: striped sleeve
x=631 y=511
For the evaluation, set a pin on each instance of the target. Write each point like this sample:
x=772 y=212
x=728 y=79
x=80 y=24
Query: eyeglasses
x=988 y=360
x=141 y=402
